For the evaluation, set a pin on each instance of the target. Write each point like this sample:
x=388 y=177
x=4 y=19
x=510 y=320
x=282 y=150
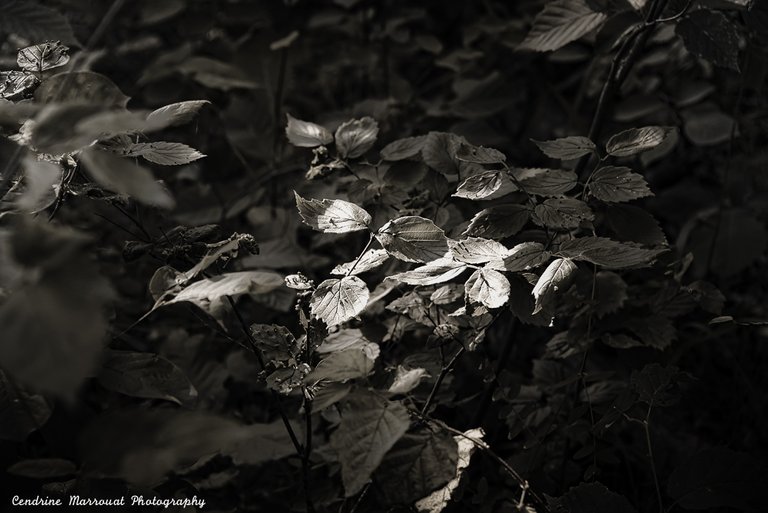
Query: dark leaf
x=555 y=279
x=592 y=498
x=546 y=182
x=567 y=148
x=22 y=411
x=498 y=222
x=636 y=140
x=355 y=137
x=617 y=184
x=402 y=149
x=34 y=22
x=560 y=23
x=43 y=468
x=562 y=213
x=608 y=253
x=711 y=35
x=81 y=86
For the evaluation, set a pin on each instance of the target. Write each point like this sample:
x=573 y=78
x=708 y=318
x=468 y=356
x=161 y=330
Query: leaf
x=562 y=213
x=407 y=379
x=476 y=250
x=83 y=87
x=210 y=294
x=275 y=342
x=479 y=154
x=41 y=179
x=439 y=152
x=636 y=140
x=350 y=363
x=555 y=278
x=616 y=184
x=567 y=148
x=16 y=85
x=341 y=340
x=592 y=498
x=711 y=35
x=522 y=303
x=305 y=134
x=608 y=253
x=522 y=257
x=175 y=114
x=370 y=426
x=336 y=301
x=22 y=411
x=146 y=375
x=718 y=478
x=488 y=287
x=708 y=126
x=486 y=185
x=434 y=272
x=631 y=223
x=42 y=57
x=215 y=74
x=560 y=23
x=498 y=222
x=370 y=260
x=657 y=385
x=546 y=182
x=610 y=293
x=164 y=153
x=418 y=464
x=125 y=177
x=332 y=216
x=52 y=130
x=651 y=331
x=402 y=149
x=413 y=239
x=356 y=136
x=34 y=22
x=466 y=443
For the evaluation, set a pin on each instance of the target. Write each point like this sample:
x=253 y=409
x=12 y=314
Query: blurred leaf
x=413 y=239
x=35 y=22
x=401 y=149
x=592 y=498
x=370 y=426
x=332 y=216
x=175 y=114
x=355 y=137
x=336 y=301
x=22 y=411
x=305 y=134
x=81 y=87
x=559 y=23
x=146 y=375
x=417 y=465
x=566 y=148
x=43 y=468
x=350 y=363
x=617 y=184
x=711 y=35
x=708 y=126
x=407 y=379
x=41 y=179
x=479 y=154
x=125 y=177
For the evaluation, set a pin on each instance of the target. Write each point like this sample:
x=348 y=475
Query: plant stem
x=360 y=256
x=443 y=372
x=651 y=460
x=506 y=352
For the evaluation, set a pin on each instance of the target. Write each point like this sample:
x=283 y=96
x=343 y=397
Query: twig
x=651 y=460
x=506 y=352
x=443 y=372
x=357 y=261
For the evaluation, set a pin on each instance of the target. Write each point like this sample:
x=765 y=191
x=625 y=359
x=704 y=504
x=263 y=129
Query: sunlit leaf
x=488 y=287
x=555 y=279
x=306 y=134
x=432 y=273
x=413 y=239
x=636 y=140
x=355 y=137
x=332 y=216
x=335 y=301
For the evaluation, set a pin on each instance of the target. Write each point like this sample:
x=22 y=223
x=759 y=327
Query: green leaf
x=125 y=177
x=34 y=22
x=567 y=148
x=175 y=114
x=43 y=57
x=562 y=213
x=522 y=257
x=305 y=134
x=413 y=239
x=608 y=253
x=418 y=464
x=350 y=363
x=476 y=250
x=498 y=222
x=561 y=22
x=636 y=140
x=22 y=411
x=43 y=468
x=370 y=426
x=401 y=149
x=164 y=153
x=332 y=216
x=371 y=259
x=546 y=182
x=488 y=287
x=479 y=154
x=555 y=278
x=718 y=478
x=355 y=137
x=81 y=87
x=711 y=35
x=486 y=186
x=336 y=301
x=432 y=273
x=616 y=184
x=146 y=375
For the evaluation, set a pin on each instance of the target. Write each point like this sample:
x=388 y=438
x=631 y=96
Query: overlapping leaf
x=332 y=216
x=413 y=239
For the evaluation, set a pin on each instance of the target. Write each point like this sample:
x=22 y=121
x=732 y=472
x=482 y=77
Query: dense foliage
x=364 y=255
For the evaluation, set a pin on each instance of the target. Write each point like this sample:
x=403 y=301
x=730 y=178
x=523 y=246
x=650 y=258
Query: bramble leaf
x=521 y=257
x=332 y=216
x=371 y=259
x=546 y=182
x=43 y=56
x=486 y=185
x=402 y=149
x=617 y=184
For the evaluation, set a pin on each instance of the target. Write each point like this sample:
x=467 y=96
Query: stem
x=506 y=352
x=360 y=256
x=443 y=372
x=651 y=460
x=307 y=453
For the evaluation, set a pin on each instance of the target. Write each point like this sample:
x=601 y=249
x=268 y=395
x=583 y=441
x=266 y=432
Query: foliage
x=373 y=256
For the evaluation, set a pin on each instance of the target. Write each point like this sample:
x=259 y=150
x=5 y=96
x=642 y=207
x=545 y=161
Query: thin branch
x=443 y=372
